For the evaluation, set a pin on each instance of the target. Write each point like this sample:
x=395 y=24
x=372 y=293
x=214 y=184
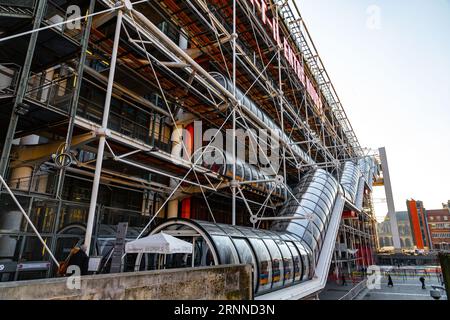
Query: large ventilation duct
x=359 y=199
x=221 y=162
x=349 y=180
x=260 y=116
x=365 y=166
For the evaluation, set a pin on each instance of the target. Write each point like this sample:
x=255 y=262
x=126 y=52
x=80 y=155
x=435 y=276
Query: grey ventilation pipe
x=262 y=118
x=349 y=180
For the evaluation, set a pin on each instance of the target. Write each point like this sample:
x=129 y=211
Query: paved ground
x=405 y=288
x=334 y=291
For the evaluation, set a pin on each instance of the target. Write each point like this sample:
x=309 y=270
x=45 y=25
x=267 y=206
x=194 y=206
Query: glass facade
x=279 y=259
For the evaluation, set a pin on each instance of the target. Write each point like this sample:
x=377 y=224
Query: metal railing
x=9 y=78
x=44 y=244
x=355 y=291
x=56 y=14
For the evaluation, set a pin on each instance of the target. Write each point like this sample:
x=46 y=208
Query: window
x=277 y=263
x=264 y=264
x=288 y=263
x=226 y=250
x=296 y=260
x=246 y=256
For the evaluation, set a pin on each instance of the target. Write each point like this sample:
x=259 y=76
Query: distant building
x=404 y=231
x=419 y=225
x=439 y=226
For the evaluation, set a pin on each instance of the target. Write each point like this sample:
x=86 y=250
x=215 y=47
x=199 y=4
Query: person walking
x=422 y=280
x=390 y=282
x=344 y=283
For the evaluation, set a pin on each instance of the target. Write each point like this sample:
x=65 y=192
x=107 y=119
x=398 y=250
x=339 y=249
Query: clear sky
x=390 y=63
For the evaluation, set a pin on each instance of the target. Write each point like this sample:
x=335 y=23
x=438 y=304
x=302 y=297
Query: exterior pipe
x=181 y=54
x=101 y=144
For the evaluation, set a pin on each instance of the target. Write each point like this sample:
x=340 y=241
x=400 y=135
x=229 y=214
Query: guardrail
x=355 y=291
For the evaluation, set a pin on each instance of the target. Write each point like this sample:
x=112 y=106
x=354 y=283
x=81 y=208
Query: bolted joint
x=103 y=132
x=234 y=36
x=234 y=183
x=128 y=6
x=279 y=180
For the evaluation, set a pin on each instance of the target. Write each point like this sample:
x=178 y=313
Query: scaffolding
x=110 y=106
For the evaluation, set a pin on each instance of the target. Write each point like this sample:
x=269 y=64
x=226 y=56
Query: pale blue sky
x=394 y=83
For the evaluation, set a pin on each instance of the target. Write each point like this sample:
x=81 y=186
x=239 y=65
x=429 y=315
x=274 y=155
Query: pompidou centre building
x=213 y=121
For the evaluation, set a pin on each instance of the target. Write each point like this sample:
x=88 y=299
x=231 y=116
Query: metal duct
x=364 y=167
x=221 y=162
x=314 y=197
x=360 y=194
x=252 y=109
x=349 y=180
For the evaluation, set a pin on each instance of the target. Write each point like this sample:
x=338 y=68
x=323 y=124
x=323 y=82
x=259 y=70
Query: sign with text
x=291 y=56
x=119 y=247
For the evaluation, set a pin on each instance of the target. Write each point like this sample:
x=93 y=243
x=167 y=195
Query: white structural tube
x=102 y=140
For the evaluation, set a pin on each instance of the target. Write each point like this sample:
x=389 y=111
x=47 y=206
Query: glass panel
x=246 y=256
x=277 y=263
x=305 y=260
x=212 y=229
x=34 y=250
x=10 y=247
x=73 y=214
x=287 y=262
x=42 y=215
x=264 y=264
x=10 y=215
x=296 y=260
x=226 y=250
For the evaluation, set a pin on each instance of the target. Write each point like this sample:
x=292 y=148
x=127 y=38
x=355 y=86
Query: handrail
x=29 y=220
x=354 y=291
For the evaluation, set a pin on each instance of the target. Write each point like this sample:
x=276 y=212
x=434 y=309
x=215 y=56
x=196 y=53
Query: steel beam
x=23 y=84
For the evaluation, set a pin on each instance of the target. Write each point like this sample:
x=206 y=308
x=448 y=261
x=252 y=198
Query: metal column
x=234 y=183
x=102 y=140
x=390 y=199
x=76 y=94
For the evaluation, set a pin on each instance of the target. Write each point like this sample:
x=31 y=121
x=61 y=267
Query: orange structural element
x=186 y=203
x=186 y=208
x=415 y=224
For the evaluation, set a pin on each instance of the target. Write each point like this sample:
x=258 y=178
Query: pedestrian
x=422 y=280
x=344 y=283
x=77 y=257
x=441 y=281
x=390 y=283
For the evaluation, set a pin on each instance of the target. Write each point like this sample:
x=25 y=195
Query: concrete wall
x=232 y=282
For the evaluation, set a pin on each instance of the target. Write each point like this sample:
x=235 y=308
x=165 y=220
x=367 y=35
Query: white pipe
x=101 y=144
x=233 y=184
x=29 y=221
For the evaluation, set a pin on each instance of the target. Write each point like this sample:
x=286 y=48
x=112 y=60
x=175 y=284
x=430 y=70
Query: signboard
x=119 y=248
x=30 y=266
x=94 y=263
x=294 y=60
